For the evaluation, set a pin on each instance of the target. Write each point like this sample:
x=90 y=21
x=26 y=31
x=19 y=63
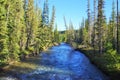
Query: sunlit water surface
x=62 y=62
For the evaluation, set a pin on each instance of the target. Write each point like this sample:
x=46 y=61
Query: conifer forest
x=30 y=41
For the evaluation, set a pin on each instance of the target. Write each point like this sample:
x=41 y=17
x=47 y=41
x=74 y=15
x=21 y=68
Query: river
x=62 y=62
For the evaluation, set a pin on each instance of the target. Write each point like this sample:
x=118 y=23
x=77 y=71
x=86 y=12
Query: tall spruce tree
x=66 y=32
x=71 y=36
x=23 y=35
x=37 y=31
x=56 y=35
x=45 y=14
x=52 y=21
x=3 y=32
x=15 y=21
x=81 y=28
x=100 y=22
x=89 y=22
x=30 y=25
x=112 y=27
x=117 y=27
x=51 y=24
x=94 y=27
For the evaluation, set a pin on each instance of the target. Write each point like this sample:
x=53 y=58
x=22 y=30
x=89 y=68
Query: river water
x=62 y=62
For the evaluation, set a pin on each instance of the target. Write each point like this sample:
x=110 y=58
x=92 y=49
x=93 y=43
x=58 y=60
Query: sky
x=73 y=10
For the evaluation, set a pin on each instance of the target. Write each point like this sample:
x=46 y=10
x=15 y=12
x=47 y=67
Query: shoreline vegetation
x=110 y=67
x=30 y=63
x=26 y=30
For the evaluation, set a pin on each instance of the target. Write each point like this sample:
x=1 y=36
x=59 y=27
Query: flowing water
x=62 y=62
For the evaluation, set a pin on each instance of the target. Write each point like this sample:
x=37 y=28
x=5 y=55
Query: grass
x=109 y=64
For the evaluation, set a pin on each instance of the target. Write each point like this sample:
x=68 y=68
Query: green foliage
x=45 y=14
x=75 y=45
x=108 y=62
x=62 y=38
x=21 y=29
x=70 y=34
x=3 y=33
x=56 y=35
x=85 y=38
x=25 y=52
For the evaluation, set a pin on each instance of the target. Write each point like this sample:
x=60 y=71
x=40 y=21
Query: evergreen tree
x=66 y=32
x=52 y=18
x=39 y=31
x=89 y=22
x=23 y=35
x=30 y=25
x=117 y=42
x=71 y=35
x=3 y=32
x=100 y=25
x=85 y=39
x=81 y=28
x=119 y=30
x=45 y=14
x=51 y=24
x=36 y=30
x=94 y=27
x=112 y=27
x=15 y=21
x=85 y=32
x=56 y=35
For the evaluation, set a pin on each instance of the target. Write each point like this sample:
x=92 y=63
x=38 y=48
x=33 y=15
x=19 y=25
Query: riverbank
x=18 y=68
x=110 y=67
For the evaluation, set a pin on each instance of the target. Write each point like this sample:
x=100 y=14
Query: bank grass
x=108 y=62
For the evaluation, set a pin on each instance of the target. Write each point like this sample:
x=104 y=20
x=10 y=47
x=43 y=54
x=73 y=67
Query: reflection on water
x=62 y=62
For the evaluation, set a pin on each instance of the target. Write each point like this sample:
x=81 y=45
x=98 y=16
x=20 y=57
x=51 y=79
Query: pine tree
x=56 y=35
x=15 y=21
x=3 y=32
x=119 y=30
x=66 y=32
x=100 y=20
x=85 y=32
x=51 y=24
x=112 y=27
x=117 y=27
x=38 y=20
x=30 y=25
x=52 y=21
x=89 y=22
x=23 y=35
x=71 y=33
x=45 y=14
x=94 y=27
x=81 y=37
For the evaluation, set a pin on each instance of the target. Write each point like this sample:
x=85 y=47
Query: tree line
x=24 y=29
x=95 y=31
x=98 y=38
